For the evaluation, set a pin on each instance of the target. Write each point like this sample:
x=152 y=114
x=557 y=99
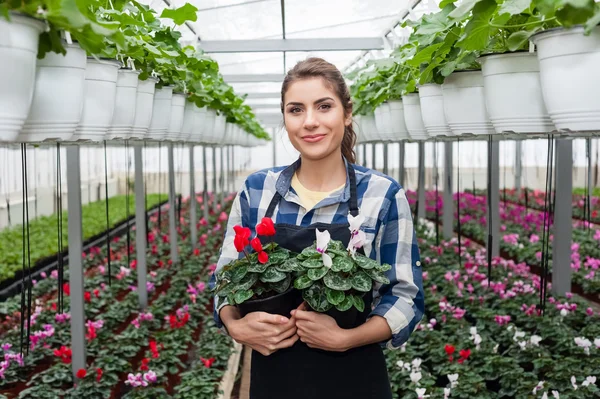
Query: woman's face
x=314 y=118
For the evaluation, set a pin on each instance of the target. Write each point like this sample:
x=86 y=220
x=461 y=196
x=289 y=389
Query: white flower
x=496 y=348
x=518 y=334
x=355 y=222
x=538 y=387
x=523 y=345
x=400 y=364
x=564 y=312
x=473 y=330
x=421 y=393
x=477 y=340
x=545 y=395
x=403 y=348
x=589 y=381
x=573 y=382
x=555 y=394
x=323 y=238
x=356 y=241
x=584 y=343
x=535 y=340
x=597 y=343
x=415 y=377
x=453 y=378
x=447 y=393
x=416 y=363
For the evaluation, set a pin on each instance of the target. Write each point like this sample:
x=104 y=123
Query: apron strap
x=353 y=205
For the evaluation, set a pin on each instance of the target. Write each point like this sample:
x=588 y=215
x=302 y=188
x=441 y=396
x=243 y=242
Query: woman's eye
x=295 y=110
x=325 y=106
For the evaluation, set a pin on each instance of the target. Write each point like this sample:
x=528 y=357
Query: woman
x=308 y=356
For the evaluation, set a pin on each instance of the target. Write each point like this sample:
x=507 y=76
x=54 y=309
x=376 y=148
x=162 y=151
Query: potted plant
x=260 y=280
x=335 y=280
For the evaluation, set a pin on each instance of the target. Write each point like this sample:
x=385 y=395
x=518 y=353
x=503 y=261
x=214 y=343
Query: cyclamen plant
x=334 y=276
x=263 y=273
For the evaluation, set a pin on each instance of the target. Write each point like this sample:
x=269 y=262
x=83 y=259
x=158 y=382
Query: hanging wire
x=504 y=172
x=525 y=188
x=26 y=282
x=547 y=223
x=159 y=184
x=144 y=178
x=59 y=216
x=107 y=214
x=180 y=195
x=128 y=160
x=489 y=209
x=437 y=194
x=588 y=180
x=458 y=200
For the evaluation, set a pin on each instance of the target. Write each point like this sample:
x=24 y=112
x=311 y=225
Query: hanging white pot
x=144 y=105
x=58 y=97
x=513 y=93
x=19 y=40
x=99 y=99
x=464 y=104
x=206 y=129
x=397 y=120
x=125 y=104
x=569 y=63
x=188 y=121
x=357 y=125
x=161 y=113
x=199 y=121
x=219 y=130
x=413 y=117
x=177 y=112
x=432 y=110
x=383 y=121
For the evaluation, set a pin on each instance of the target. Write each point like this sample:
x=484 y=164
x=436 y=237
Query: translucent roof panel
x=338 y=58
x=249 y=63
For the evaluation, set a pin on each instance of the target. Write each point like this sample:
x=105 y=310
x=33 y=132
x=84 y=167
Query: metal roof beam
x=271 y=45
x=263 y=95
x=259 y=78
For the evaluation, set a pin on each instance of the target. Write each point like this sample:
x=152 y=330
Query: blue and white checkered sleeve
x=402 y=301
x=237 y=216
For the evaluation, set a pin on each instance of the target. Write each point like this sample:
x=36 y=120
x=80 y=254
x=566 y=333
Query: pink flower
x=534 y=238
x=589 y=311
x=223 y=217
x=458 y=313
x=201 y=286
x=502 y=320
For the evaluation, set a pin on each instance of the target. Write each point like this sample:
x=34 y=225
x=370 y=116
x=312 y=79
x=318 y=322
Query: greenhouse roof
x=256 y=41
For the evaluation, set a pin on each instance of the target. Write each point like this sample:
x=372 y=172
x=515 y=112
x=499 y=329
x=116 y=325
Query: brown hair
x=319 y=68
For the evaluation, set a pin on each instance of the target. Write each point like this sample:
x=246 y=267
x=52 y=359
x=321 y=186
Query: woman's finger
x=285 y=334
x=287 y=342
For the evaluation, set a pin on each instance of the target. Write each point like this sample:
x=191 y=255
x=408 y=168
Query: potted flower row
x=471 y=69
x=330 y=278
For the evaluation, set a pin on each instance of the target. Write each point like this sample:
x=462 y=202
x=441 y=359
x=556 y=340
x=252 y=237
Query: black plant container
x=281 y=304
x=348 y=319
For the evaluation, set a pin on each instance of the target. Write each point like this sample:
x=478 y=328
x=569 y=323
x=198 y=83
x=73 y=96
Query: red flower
x=196 y=252
x=464 y=354
x=67 y=289
x=144 y=366
x=207 y=362
x=263 y=257
x=170 y=262
x=161 y=263
x=256 y=244
x=96 y=292
x=265 y=227
x=91 y=334
x=133 y=264
x=98 y=375
x=81 y=373
x=64 y=353
x=54 y=306
x=242 y=237
x=87 y=296
x=154 y=349
x=449 y=349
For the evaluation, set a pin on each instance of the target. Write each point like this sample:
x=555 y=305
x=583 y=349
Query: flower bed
x=130 y=354
x=480 y=342
x=44 y=231
x=521 y=231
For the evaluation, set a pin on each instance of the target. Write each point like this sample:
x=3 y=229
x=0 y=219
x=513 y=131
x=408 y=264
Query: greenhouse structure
x=128 y=131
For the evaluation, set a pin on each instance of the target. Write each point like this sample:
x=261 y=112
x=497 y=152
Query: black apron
x=300 y=372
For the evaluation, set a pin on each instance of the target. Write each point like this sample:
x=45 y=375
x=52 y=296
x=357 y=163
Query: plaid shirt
x=388 y=225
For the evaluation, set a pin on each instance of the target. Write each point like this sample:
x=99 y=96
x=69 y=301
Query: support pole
x=233 y=174
x=205 y=184
x=193 y=213
x=373 y=156
x=385 y=158
x=364 y=155
x=563 y=212
x=421 y=182
x=518 y=165
x=401 y=169
x=214 y=179
x=75 y=230
x=448 y=214
x=222 y=177
x=140 y=226
x=493 y=213
x=274 y=137
x=172 y=214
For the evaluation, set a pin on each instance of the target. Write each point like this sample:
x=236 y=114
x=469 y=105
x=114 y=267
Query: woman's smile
x=313 y=138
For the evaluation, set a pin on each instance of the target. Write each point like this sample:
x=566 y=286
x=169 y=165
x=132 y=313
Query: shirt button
x=418 y=263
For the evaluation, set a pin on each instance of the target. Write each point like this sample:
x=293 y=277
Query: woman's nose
x=311 y=120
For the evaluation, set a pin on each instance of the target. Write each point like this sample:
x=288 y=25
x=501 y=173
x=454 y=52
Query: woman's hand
x=320 y=331
x=265 y=333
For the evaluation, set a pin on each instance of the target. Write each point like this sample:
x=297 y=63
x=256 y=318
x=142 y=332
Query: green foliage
x=44 y=231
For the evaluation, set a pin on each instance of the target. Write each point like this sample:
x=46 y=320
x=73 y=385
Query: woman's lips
x=314 y=138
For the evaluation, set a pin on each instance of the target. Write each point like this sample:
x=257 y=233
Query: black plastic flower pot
x=346 y=320
x=281 y=304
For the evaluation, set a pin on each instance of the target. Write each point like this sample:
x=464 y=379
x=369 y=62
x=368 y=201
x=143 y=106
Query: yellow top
x=309 y=198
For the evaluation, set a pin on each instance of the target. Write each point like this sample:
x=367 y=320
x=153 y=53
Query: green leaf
x=258 y=267
x=359 y=303
x=290 y=265
x=477 y=31
x=517 y=40
x=338 y=252
x=384 y=267
x=310 y=253
x=316 y=297
x=152 y=49
x=181 y=14
x=513 y=7
x=313 y=263
x=247 y=282
x=283 y=285
x=361 y=282
x=436 y=23
x=341 y=264
x=272 y=275
x=336 y=281
x=238 y=273
x=277 y=257
x=365 y=262
x=335 y=245
x=317 y=274
x=444 y=3
x=346 y=304
x=243 y=296
x=575 y=12
x=303 y=282
x=335 y=297
x=592 y=22
x=425 y=55
x=463 y=9
x=378 y=276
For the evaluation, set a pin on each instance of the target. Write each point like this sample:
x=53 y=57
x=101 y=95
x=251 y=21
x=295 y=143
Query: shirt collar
x=284 y=182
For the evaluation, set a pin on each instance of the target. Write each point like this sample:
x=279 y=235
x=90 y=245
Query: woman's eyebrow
x=316 y=102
